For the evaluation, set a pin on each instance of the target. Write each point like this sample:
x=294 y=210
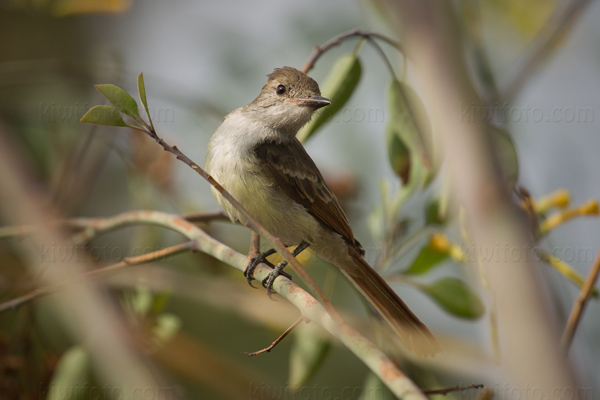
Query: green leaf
x=121 y=100
x=507 y=155
x=433 y=215
x=167 y=326
x=308 y=353
x=398 y=153
x=454 y=296
x=142 y=93
x=338 y=87
x=425 y=261
x=103 y=115
x=142 y=300
x=407 y=114
x=71 y=375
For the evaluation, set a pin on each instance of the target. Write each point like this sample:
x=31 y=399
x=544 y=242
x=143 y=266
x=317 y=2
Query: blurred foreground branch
x=530 y=353
x=81 y=304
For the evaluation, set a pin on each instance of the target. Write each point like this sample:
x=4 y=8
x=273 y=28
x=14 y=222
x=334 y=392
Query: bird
x=255 y=155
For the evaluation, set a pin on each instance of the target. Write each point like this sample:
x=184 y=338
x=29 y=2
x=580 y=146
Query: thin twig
x=337 y=40
x=206 y=217
x=277 y=341
x=386 y=60
x=129 y=261
x=579 y=305
x=445 y=391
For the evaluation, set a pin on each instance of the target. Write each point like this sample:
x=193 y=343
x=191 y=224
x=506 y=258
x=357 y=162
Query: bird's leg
x=278 y=270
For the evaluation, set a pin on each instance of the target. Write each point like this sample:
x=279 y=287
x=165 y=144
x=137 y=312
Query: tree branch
x=278 y=340
x=445 y=391
x=337 y=40
x=206 y=216
x=579 y=305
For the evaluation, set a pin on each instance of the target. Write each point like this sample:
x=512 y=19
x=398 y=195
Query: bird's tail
x=412 y=332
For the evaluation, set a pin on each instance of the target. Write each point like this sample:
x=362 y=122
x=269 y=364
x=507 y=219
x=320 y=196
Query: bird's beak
x=314 y=102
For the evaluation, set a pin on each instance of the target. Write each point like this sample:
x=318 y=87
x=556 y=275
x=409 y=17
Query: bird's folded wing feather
x=291 y=169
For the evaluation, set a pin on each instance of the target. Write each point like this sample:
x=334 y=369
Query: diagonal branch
x=445 y=391
x=579 y=305
x=278 y=340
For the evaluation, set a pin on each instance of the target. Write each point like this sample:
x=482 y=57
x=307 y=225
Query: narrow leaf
x=398 y=153
x=121 y=100
x=307 y=355
x=142 y=93
x=103 y=115
x=71 y=375
x=426 y=260
x=338 y=87
x=454 y=296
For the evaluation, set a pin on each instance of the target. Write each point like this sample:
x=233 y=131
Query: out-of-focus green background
x=202 y=59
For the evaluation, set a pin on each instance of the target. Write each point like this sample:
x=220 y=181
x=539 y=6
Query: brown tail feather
x=411 y=331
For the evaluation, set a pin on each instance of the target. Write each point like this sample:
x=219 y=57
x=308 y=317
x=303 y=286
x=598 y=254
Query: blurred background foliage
x=203 y=59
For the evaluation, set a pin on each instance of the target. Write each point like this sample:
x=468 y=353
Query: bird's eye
x=280 y=89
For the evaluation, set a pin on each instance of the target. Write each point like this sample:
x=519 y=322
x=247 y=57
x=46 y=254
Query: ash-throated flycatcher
x=256 y=157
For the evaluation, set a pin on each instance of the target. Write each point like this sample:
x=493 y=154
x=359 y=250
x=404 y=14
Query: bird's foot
x=254 y=261
x=277 y=271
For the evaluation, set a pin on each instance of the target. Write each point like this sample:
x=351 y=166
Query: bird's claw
x=270 y=279
x=254 y=261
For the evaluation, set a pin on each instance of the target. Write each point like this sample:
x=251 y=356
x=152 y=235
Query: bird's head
x=288 y=100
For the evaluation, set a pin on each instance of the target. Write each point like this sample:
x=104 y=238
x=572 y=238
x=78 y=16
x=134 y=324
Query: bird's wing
x=291 y=169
